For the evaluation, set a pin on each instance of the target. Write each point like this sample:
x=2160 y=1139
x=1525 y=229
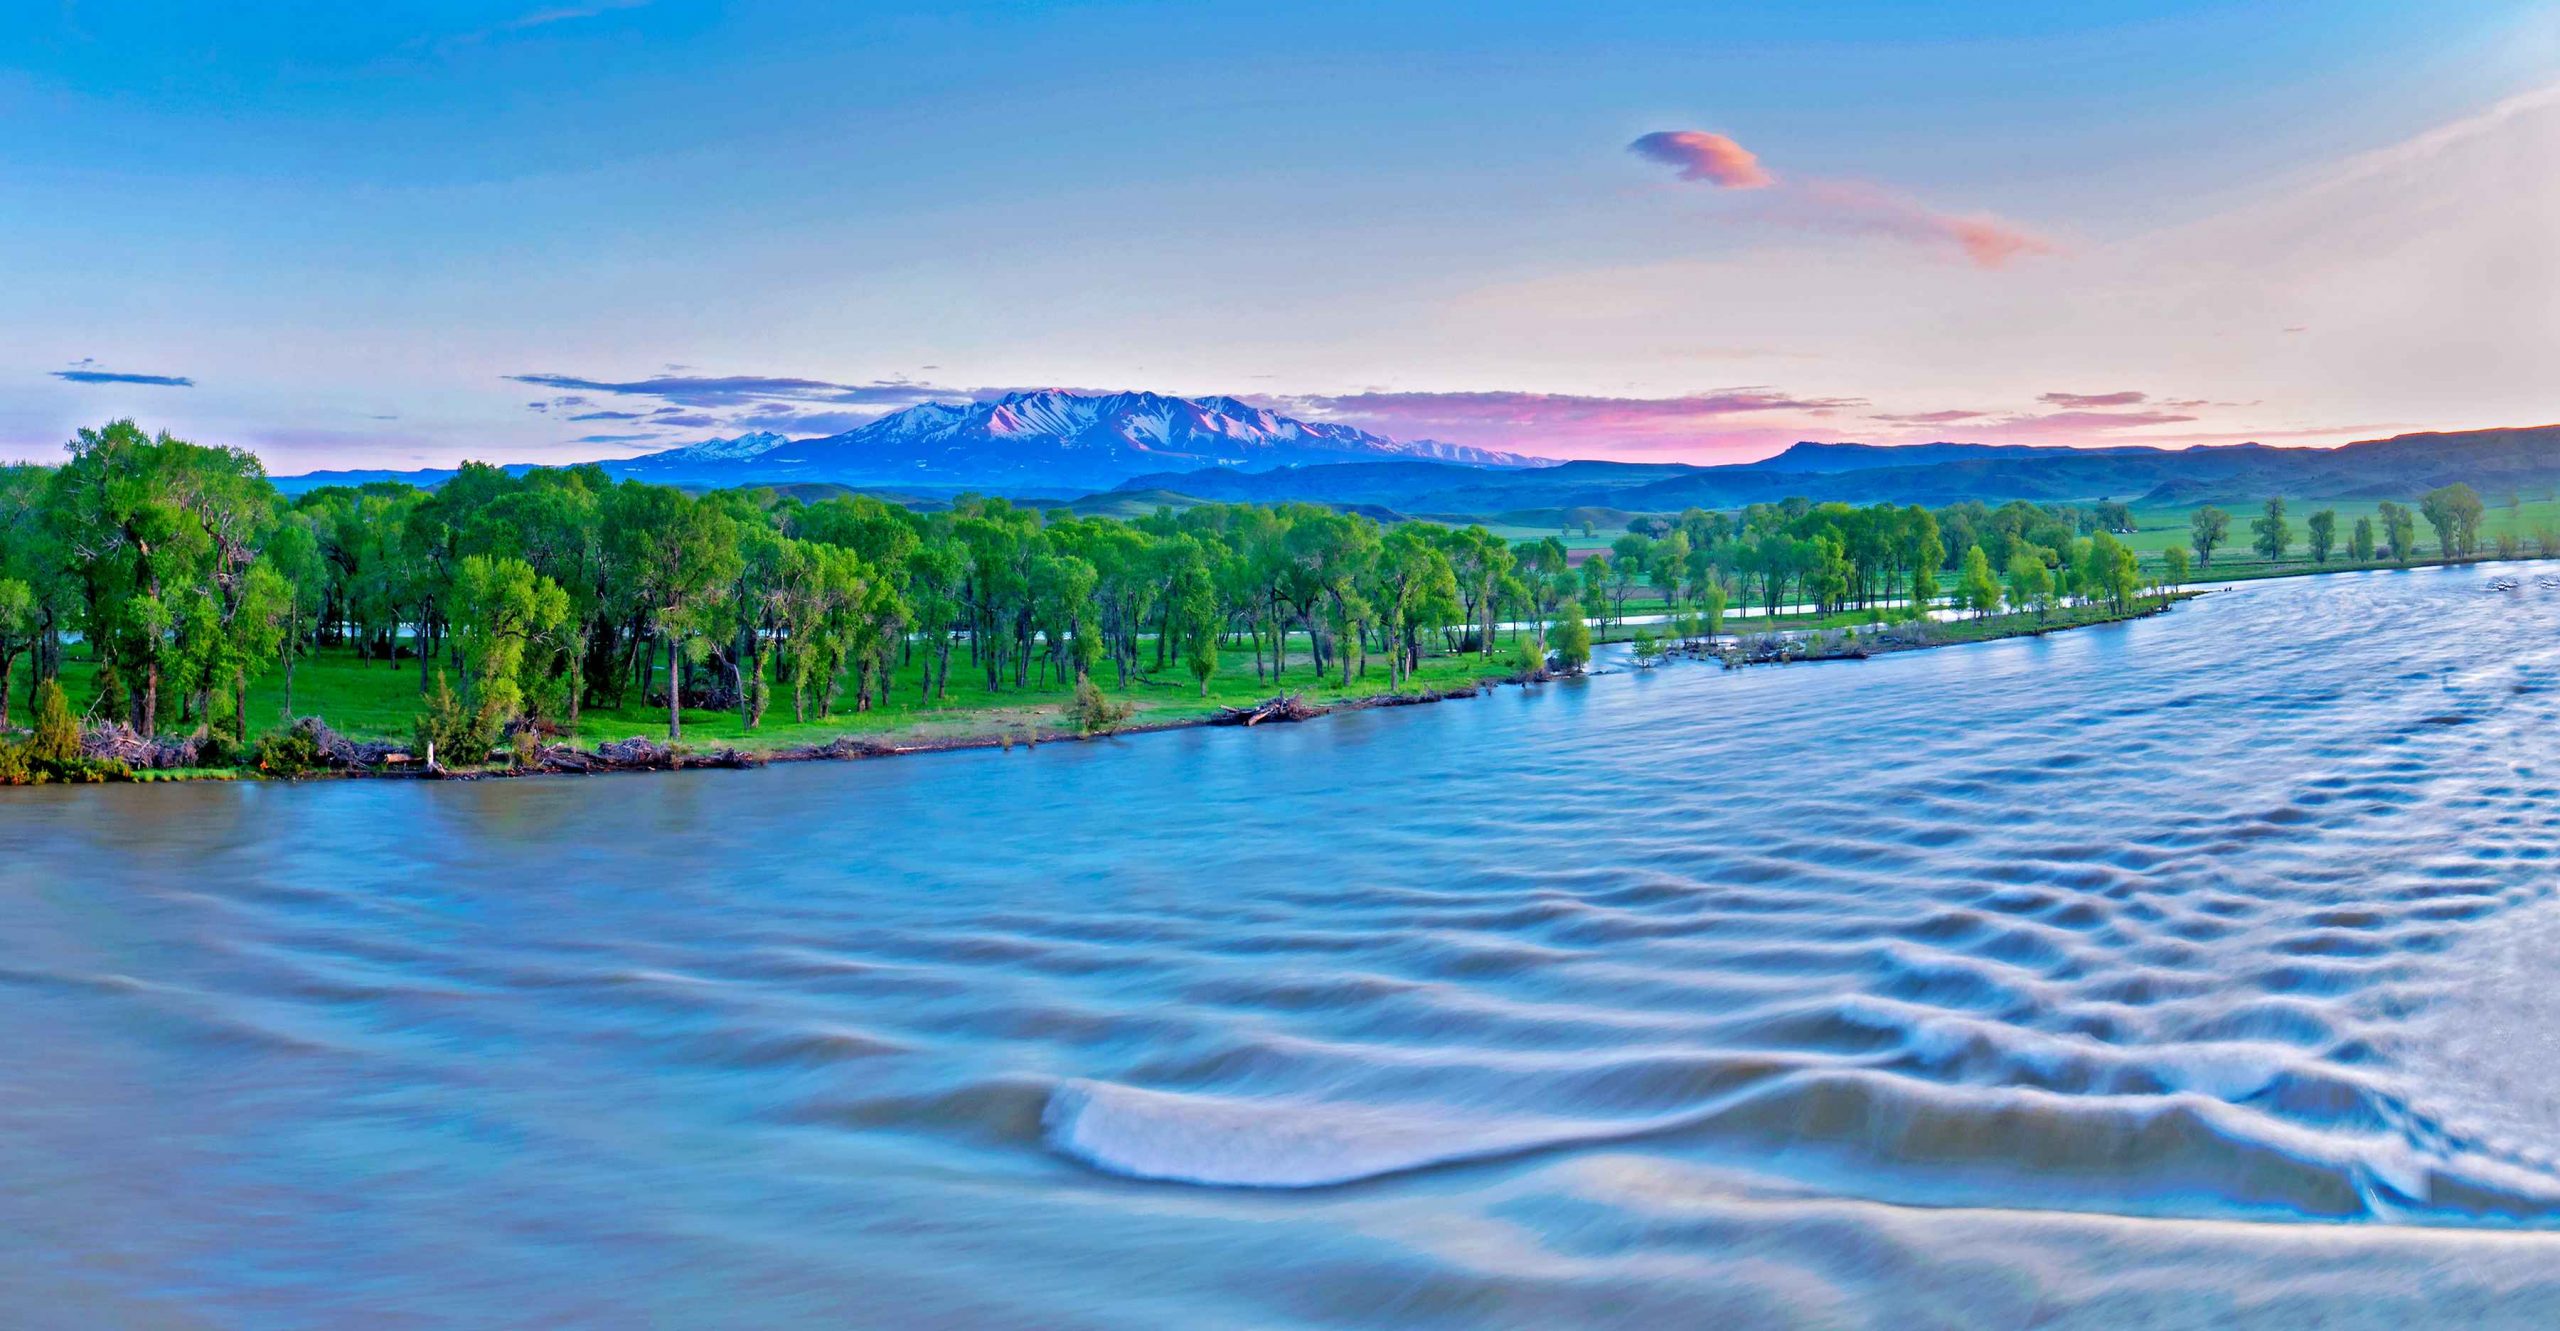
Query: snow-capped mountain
x=708 y=452
x=1050 y=438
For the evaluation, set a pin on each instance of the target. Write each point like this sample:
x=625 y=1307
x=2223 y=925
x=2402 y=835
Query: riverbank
x=997 y=719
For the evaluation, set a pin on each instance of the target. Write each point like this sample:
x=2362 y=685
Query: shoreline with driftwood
x=334 y=755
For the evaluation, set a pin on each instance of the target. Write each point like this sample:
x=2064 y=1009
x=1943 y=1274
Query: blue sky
x=357 y=231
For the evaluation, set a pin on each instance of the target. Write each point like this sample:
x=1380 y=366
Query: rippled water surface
x=2195 y=972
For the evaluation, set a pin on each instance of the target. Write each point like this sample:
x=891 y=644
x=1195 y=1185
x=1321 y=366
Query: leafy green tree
x=2324 y=534
x=1976 y=587
x=1595 y=584
x=118 y=506
x=2109 y=571
x=17 y=634
x=2207 y=525
x=2360 y=548
x=2030 y=581
x=1665 y=561
x=2454 y=511
x=503 y=613
x=2173 y=564
x=681 y=556
x=2399 y=531
x=2272 y=534
x=1572 y=639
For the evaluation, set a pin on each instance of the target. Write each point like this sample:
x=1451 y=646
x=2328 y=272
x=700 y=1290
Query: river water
x=2201 y=971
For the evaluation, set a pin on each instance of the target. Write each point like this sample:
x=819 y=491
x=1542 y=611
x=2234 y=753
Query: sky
x=405 y=233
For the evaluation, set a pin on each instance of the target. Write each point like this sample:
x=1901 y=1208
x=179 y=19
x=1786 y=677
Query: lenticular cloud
x=1710 y=159
x=1853 y=206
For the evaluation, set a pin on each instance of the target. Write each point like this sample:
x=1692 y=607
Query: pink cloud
x=1710 y=159
x=1854 y=206
x=1949 y=417
x=2124 y=398
x=1724 y=425
x=1857 y=206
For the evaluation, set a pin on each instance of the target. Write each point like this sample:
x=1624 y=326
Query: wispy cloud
x=115 y=377
x=1849 y=206
x=1945 y=417
x=528 y=21
x=736 y=403
x=1567 y=424
x=2121 y=398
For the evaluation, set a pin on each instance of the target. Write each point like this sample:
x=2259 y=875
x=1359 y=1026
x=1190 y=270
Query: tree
x=2109 y=571
x=2399 y=531
x=2360 y=544
x=17 y=633
x=2454 y=511
x=680 y=555
x=2030 y=581
x=1976 y=587
x=1573 y=639
x=2273 y=535
x=2208 y=525
x=1711 y=607
x=503 y=611
x=2324 y=534
x=2173 y=564
x=120 y=507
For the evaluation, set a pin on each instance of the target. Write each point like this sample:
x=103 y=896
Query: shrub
x=455 y=732
x=292 y=751
x=1095 y=714
x=15 y=770
x=218 y=749
x=1647 y=646
x=57 y=735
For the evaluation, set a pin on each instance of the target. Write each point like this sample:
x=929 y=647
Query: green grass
x=379 y=700
x=2156 y=529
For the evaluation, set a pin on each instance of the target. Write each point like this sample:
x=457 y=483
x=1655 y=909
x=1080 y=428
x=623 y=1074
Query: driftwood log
x=1286 y=707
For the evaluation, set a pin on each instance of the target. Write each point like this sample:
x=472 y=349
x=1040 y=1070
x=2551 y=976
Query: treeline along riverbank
x=188 y=614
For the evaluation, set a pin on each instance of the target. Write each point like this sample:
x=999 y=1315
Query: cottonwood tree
x=504 y=613
x=2271 y=534
x=2454 y=511
x=1976 y=586
x=2207 y=525
x=2324 y=534
x=681 y=556
x=2030 y=581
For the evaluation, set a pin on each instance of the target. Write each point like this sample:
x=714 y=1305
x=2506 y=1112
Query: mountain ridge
x=1055 y=438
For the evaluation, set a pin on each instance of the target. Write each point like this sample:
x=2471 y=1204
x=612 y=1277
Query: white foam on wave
x=1271 y=1143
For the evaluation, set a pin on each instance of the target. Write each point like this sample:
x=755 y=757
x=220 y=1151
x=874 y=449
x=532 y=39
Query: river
x=2196 y=971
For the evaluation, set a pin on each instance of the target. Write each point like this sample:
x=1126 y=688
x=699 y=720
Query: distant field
x=2160 y=528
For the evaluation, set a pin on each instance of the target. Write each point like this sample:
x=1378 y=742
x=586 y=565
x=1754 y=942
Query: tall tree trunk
x=675 y=688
